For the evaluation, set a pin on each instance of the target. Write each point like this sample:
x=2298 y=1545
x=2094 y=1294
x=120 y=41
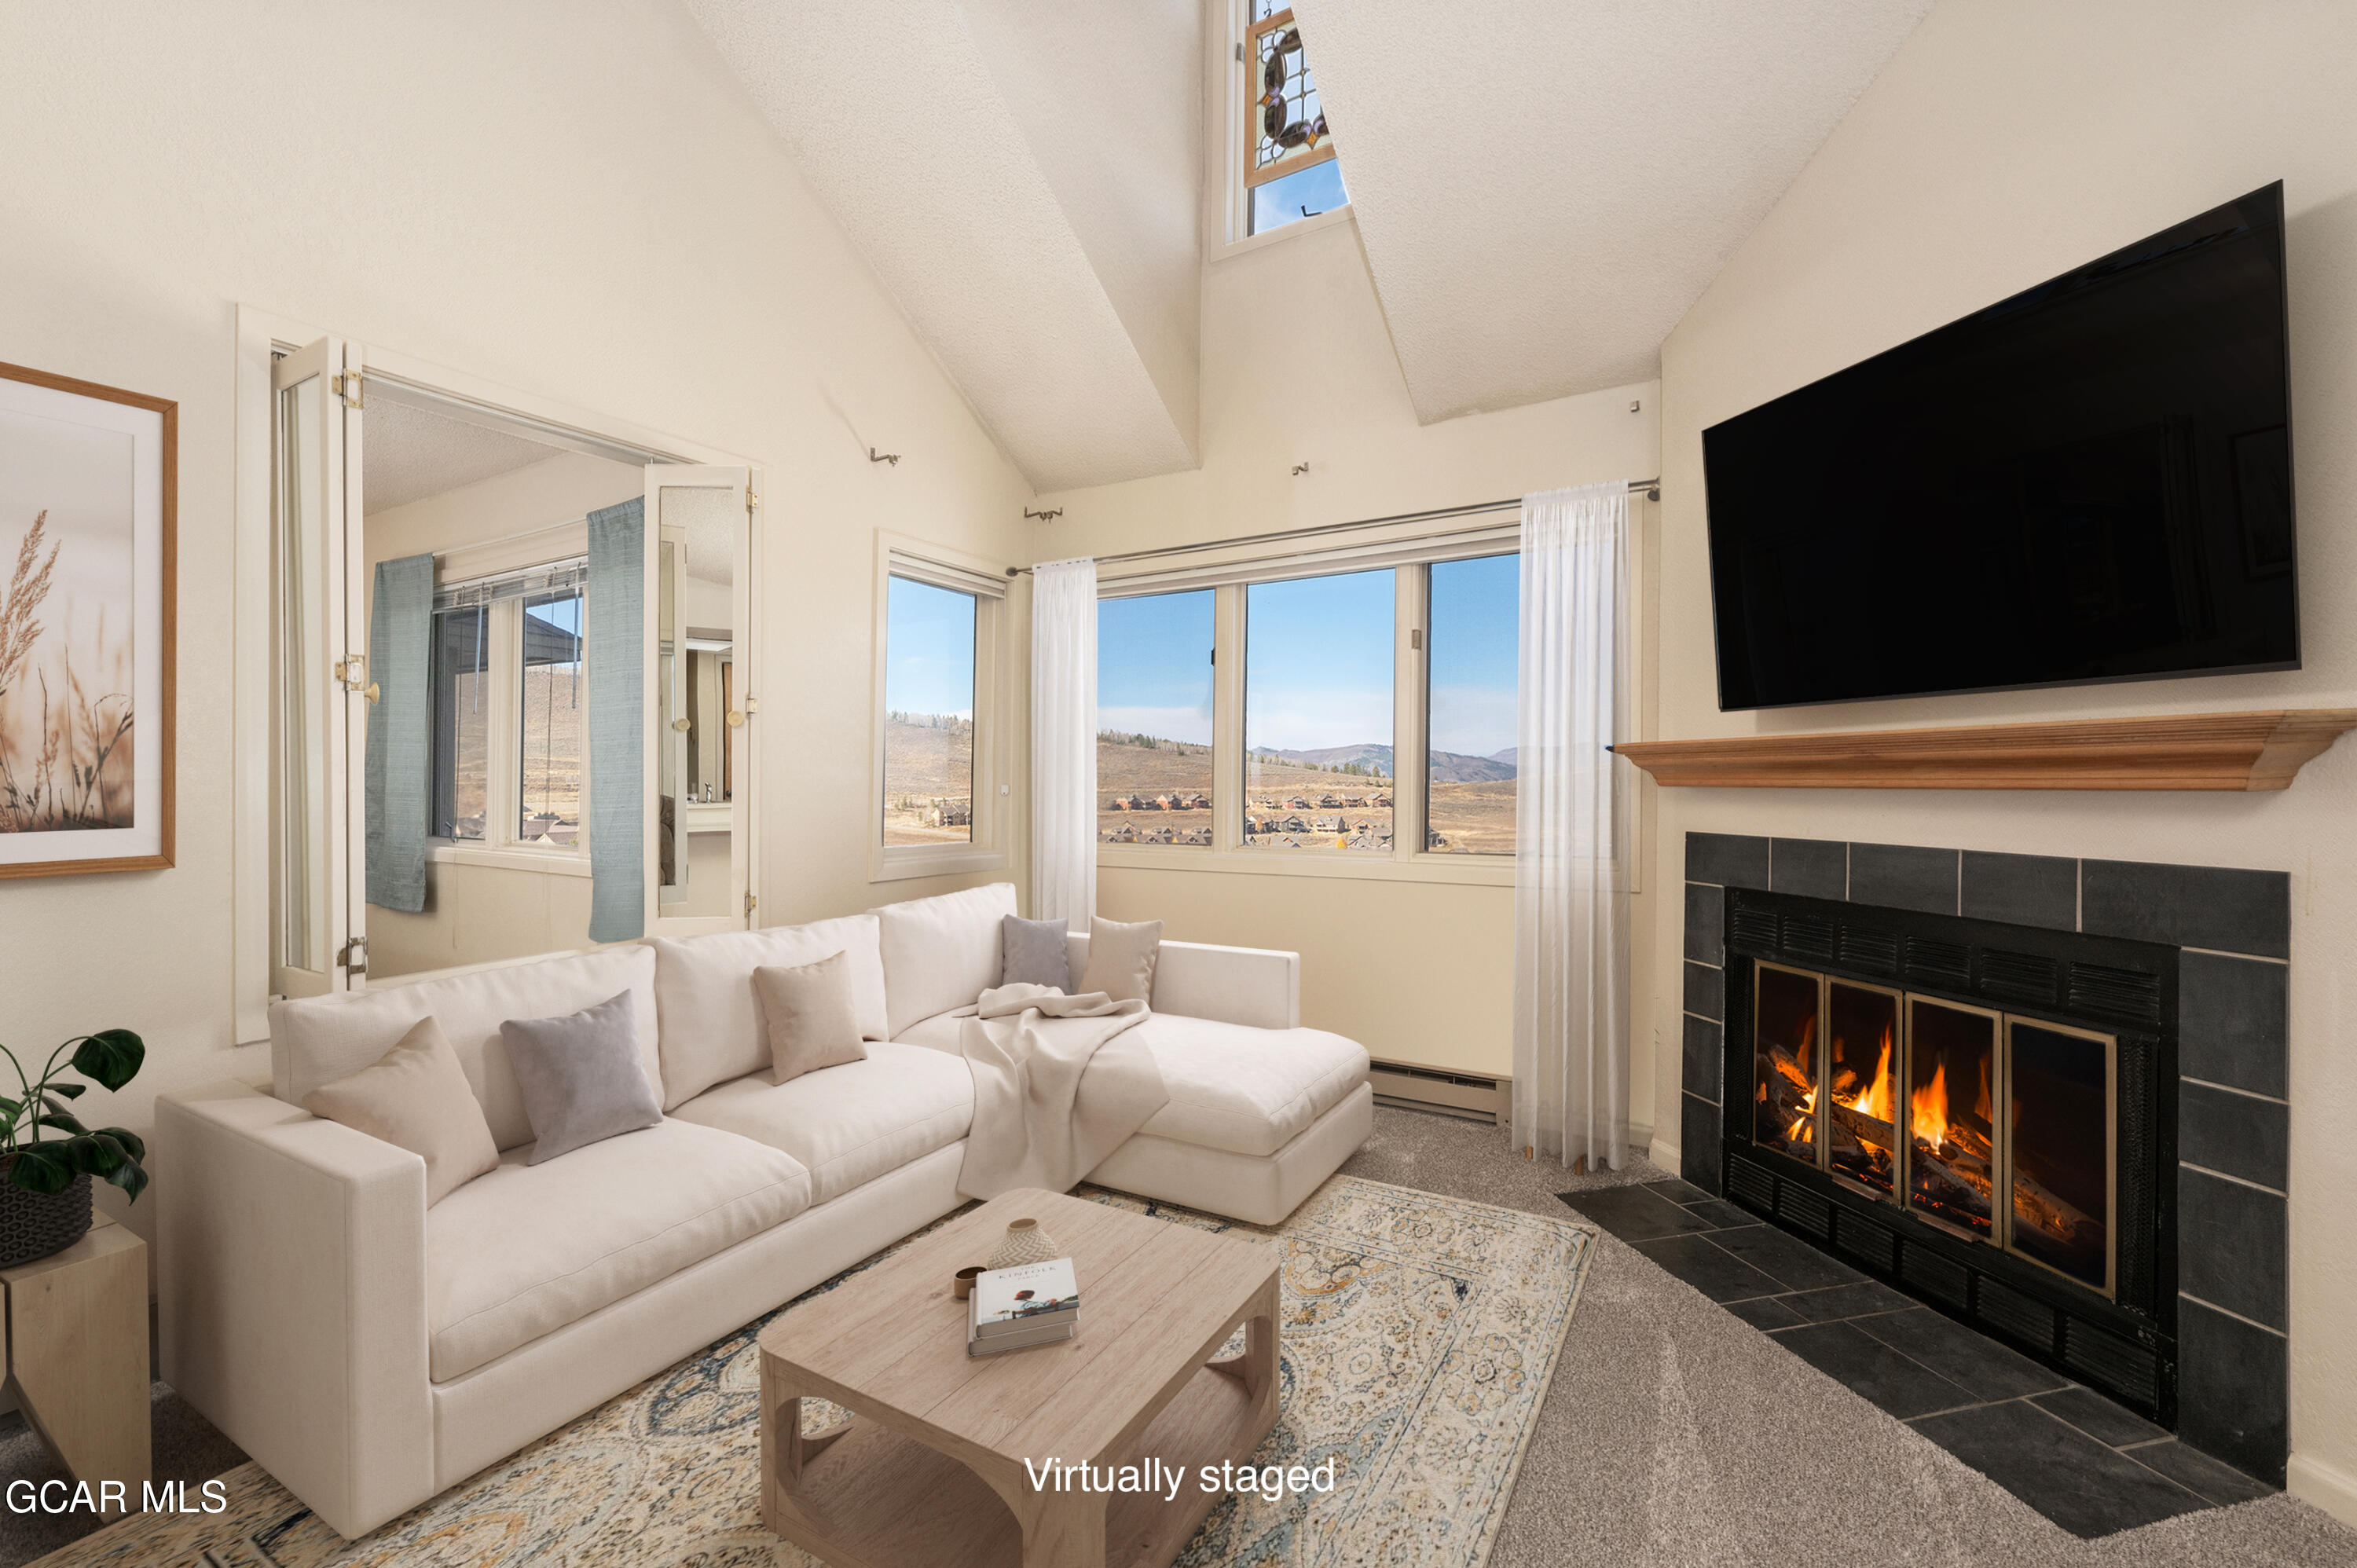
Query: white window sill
x=900 y=865
x=550 y=862
x=1332 y=218
x=1472 y=871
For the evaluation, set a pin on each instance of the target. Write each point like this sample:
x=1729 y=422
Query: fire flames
x=1928 y=1108
x=1879 y=1091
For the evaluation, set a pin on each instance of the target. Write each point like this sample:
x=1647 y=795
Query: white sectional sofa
x=369 y=1351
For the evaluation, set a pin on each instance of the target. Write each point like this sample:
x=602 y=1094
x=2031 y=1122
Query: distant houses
x=1128 y=832
x=1176 y=800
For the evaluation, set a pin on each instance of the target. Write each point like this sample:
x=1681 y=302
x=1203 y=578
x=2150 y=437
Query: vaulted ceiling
x=1541 y=188
x=1026 y=176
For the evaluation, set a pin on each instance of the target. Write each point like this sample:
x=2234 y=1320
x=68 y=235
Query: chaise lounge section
x=370 y=1351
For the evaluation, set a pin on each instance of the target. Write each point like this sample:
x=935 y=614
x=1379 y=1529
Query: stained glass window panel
x=1287 y=122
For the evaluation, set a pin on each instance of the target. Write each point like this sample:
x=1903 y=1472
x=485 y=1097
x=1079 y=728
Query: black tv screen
x=2089 y=481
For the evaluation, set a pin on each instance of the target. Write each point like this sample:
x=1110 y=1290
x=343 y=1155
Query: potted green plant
x=48 y=1156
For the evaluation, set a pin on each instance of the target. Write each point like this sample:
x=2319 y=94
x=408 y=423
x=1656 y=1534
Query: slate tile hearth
x=2087 y=1464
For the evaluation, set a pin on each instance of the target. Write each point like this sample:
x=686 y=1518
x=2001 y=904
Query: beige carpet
x=1677 y=1434
x=1420 y=1332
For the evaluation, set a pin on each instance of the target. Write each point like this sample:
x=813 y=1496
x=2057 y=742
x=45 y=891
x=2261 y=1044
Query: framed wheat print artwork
x=87 y=477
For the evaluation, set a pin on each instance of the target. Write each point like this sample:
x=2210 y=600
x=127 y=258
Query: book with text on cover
x=1032 y=1295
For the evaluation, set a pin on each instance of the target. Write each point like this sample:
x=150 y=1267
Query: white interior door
x=701 y=751
x=316 y=734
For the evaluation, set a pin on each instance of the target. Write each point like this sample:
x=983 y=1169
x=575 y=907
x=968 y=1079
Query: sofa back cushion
x=704 y=991
x=940 y=954
x=318 y=1040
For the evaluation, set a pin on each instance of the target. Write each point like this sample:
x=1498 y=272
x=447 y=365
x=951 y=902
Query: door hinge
x=347 y=387
x=353 y=670
x=752 y=703
x=752 y=500
x=752 y=903
x=352 y=956
x=1416 y=636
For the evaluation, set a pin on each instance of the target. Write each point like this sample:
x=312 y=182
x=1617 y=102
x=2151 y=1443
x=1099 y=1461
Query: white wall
x=563 y=487
x=606 y=222
x=2008 y=141
x=1298 y=367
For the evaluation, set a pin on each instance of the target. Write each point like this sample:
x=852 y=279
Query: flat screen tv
x=2090 y=481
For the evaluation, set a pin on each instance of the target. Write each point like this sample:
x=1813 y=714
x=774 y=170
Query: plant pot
x=36 y=1224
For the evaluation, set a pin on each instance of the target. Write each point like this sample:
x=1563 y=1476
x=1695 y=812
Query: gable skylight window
x=1290 y=170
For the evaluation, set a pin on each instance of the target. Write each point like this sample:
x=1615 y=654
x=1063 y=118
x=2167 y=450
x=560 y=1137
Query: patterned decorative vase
x=1024 y=1242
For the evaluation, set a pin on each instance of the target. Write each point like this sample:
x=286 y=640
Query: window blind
x=554 y=577
x=957 y=579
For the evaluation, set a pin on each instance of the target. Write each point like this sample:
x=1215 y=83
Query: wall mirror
x=508 y=711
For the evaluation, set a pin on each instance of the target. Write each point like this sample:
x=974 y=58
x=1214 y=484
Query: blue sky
x=928 y=649
x=1317 y=669
x=1318 y=662
x=1281 y=200
x=1476 y=611
x=1154 y=665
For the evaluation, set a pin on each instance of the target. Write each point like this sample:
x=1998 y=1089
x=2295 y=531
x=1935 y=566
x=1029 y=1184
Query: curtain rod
x=1651 y=487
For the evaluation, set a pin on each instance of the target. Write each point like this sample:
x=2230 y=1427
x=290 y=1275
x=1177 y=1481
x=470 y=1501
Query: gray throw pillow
x=1032 y=952
x=582 y=1076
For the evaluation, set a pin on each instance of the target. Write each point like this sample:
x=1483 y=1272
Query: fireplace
x=1973 y=1112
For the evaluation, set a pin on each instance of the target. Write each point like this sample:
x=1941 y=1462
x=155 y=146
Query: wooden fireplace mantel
x=2159 y=751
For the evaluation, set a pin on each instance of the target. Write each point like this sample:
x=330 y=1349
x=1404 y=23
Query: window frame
x=1410 y=561
x=502 y=845
x=1424 y=782
x=940 y=566
x=1241 y=140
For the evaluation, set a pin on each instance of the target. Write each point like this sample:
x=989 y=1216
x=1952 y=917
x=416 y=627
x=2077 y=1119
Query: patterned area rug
x=1420 y=1333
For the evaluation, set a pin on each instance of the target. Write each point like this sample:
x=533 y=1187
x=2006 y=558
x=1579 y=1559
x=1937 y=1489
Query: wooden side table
x=78 y=1355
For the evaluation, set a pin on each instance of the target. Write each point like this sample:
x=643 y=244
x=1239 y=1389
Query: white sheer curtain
x=1064 y=742
x=1573 y=801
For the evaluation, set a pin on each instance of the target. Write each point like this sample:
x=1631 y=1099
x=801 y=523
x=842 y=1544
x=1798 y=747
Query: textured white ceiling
x=711 y=518
x=1025 y=177
x=1544 y=187
x=407 y=454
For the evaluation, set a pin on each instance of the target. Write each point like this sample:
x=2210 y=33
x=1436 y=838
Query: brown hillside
x=928 y=779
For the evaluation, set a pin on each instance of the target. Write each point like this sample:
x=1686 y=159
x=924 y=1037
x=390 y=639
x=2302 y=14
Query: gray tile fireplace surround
x=2232 y=930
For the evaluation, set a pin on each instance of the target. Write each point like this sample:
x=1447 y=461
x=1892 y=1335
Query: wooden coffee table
x=929 y=1471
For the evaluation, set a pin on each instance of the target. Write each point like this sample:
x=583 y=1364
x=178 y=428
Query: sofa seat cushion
x=527 y=1248
x=1246 y=1090
x=942 y=1032
x=852 y=1123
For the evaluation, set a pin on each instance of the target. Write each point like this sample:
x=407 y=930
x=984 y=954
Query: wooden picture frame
x=89 y=626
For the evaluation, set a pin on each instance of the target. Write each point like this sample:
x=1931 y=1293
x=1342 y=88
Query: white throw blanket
x=1059 y=1083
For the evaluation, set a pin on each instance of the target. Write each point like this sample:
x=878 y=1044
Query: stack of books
x=1036 y=1303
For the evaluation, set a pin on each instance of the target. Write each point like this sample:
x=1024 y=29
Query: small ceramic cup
x=966 y=1278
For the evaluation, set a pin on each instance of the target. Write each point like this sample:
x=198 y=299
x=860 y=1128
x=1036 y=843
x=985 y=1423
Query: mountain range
x=1448 y=767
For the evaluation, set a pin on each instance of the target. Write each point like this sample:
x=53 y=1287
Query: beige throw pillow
x=1122 y=959
x=810 y=1016
x=416 y=1096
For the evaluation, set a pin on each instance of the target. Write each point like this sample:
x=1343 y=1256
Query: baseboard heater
x=1471 y=1095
